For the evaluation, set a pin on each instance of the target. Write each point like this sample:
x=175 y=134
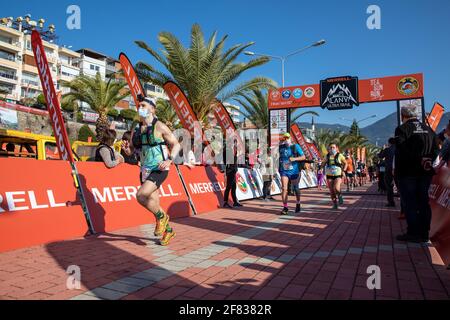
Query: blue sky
x=413 y=37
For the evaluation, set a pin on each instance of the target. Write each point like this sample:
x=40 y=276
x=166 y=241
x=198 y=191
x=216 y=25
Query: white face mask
x=143 y=112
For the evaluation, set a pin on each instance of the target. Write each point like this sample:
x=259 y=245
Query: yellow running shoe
x=161 y=225
x=168 y=235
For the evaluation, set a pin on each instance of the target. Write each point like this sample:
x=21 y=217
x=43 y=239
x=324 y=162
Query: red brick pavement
x=319 y=254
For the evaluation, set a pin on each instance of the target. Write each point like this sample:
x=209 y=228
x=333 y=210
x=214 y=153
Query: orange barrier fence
x=111 y=196
x=39 y=204
x=440 y=205
x=33 y=196
x=205 y=185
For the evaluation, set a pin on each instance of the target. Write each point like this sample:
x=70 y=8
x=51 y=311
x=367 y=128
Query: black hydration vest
x=99 y=158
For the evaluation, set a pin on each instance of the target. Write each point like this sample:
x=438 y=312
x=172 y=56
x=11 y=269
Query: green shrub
x=85 y=132
x=113 y=113
x=79 y=116
x=41 y=99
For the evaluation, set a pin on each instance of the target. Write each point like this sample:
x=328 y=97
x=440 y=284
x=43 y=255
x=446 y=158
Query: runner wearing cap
x=290 y=154
x=151 y=137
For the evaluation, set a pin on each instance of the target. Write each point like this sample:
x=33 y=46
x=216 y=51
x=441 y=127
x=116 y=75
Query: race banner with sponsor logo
x=408 y=86
x=54 y=110
x=363 y=154
x=205 y=186
x=439 y=194
x=308 y=179
x=183 y=109
x=113 y=201
x=339 y=93
x=249 y=184
x=314 y=151
x=435 y=115
x=297 y=133
x=279 y=120
x=294 y=97
x=226 y=124
x=33 y=207
x=36 y=208
x=130 y=75
x=56 y=118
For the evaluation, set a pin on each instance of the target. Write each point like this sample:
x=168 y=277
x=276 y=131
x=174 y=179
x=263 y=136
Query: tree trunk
x=101 y=125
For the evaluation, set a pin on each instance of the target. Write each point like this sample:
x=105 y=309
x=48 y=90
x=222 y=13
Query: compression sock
x=169 y=228
x=285 y=204
x=159 y=215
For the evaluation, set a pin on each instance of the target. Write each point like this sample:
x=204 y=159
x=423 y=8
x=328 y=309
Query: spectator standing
x=416 y=148
x=387 y=155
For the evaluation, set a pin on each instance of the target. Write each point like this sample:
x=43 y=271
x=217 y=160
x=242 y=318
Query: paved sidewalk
x=252 y=253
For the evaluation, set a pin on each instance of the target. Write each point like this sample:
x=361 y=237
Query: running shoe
x=297 y=208
x=161 y=225
x=341 y=199
x=167 y=237
x=226 y=205
x=237 y=204
x=284 y=211
x=335 y=206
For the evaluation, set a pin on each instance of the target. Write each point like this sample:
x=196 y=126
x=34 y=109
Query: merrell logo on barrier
x=28 y=200
x=127 y=193
x=206 y=187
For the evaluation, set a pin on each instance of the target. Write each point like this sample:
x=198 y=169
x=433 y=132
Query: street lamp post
x=283 y=58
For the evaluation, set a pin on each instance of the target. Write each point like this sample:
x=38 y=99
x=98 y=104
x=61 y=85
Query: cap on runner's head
x=286 y=135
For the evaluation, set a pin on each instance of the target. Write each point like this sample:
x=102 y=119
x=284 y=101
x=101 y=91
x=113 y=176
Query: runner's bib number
x=333 y=171
x=287 y=166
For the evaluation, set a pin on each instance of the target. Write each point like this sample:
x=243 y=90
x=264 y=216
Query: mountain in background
x=379 y=131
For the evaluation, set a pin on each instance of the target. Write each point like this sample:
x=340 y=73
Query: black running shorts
x=158 y=177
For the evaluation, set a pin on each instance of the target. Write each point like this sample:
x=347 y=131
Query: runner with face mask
x=151 y=138
x=335 y=165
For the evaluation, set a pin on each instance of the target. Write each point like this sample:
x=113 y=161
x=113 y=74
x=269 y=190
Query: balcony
x=12 y=78
x=15 y=46
x=32 y=83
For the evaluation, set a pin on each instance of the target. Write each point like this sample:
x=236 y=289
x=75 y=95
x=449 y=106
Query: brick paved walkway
x=252 y=253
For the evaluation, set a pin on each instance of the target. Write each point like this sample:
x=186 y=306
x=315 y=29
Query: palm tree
x=204 y=71
x=296 y=118
x=254 y=108
x=166 y=114
x=99 y=94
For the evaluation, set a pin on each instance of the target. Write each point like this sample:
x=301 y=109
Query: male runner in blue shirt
x=290 y=155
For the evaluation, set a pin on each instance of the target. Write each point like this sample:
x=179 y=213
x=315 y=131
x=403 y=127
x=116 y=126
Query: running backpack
x=137 y=137
x=336 y=160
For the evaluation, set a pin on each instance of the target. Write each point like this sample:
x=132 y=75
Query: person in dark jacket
x=388 y=156
x=416 y=148
x=231 y=169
